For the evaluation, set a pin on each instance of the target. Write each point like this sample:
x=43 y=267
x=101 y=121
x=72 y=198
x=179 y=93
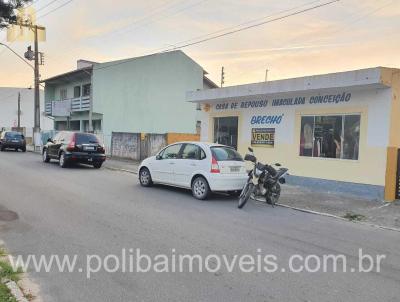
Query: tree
x=7 y=11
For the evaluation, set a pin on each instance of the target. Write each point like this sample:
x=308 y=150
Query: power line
x=55 y=9
x=253 y=26
x=164 y=7
x=343 y=28
x=47 y=5
x=234 y=31
x=166 y=16
x=32 y=3
x=247 y=22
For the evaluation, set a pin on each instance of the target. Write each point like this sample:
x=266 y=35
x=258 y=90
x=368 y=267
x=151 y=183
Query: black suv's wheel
x=97 y=165
x=45 y=156
x=200 y=188
x=145 y=177
x=63 y=162
x=23 y=149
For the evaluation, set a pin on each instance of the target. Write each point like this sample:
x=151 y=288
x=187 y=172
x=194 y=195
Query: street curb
x=15 y=291
x=33 y=151
x=338 y=217
x=122 y=170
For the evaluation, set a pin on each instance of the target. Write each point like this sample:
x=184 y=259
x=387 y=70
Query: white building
x=337 y=132
x=9 y=110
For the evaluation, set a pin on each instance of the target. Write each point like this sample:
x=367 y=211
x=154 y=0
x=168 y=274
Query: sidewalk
x=120 y=164
x=378 y=213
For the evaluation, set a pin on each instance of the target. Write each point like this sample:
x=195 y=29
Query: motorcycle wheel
x=244 y=197
x=273 y=197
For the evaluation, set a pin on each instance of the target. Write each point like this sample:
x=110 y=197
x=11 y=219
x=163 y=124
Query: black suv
x=74 y=147
x=12 y=140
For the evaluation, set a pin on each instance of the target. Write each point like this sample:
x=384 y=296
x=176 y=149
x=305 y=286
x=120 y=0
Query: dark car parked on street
x=74 y=147
x=12 y=140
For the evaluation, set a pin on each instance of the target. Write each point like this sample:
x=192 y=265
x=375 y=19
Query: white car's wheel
x=200 y=188
x=145 y=177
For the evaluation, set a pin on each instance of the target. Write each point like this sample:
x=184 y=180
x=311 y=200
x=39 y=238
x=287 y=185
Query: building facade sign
x=338 y=98
x=263 y=137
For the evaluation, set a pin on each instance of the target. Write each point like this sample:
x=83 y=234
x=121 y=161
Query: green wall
x=147 y=94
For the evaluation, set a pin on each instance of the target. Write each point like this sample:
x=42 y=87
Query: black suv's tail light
x=71 y=145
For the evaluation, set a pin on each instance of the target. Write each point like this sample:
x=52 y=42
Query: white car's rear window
x=222 y=153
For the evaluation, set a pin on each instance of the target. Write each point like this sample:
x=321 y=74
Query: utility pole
x=37 y=57
x=19 y=111
x=266 y=75
x=222 y=76
x=36 y=128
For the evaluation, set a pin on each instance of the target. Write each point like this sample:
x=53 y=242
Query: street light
x=14 y=52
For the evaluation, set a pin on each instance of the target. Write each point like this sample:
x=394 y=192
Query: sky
x=345 y=35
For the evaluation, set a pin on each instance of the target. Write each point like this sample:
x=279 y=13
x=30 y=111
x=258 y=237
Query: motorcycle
x=264 y=182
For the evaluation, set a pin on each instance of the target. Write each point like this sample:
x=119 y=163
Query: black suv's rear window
x=86 y=138
x=225 y=154
x=14 y=135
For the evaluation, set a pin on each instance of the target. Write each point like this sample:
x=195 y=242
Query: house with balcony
x=143 y=95
x=68 y=99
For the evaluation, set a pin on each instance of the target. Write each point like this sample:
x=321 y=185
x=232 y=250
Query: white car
x=201 y=167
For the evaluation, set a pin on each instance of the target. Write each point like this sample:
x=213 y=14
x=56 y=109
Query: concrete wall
x=147 y=94
x=136 y=146
x=9 y=109
x=125 y=145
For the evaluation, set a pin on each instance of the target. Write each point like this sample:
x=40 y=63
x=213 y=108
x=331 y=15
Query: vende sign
x=263 y=137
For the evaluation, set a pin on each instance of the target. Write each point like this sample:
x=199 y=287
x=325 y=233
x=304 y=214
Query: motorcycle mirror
x=250 y=149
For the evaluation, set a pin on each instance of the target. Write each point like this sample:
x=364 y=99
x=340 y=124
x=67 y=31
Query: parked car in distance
x=201 y=167
x=74 y=147
x=12 y=140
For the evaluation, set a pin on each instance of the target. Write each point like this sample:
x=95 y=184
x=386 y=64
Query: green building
x=143 y=95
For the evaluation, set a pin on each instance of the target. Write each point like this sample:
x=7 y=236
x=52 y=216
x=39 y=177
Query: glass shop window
x=226 y=131
x=330 y=136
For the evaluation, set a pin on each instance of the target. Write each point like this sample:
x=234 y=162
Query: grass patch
x=5 y=295
x=354 y=217
x=7 y=271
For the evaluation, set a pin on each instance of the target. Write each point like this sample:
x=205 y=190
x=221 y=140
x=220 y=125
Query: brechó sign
x=263 y=137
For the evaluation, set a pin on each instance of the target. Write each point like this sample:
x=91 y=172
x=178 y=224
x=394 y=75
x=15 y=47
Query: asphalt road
x=86 y=211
